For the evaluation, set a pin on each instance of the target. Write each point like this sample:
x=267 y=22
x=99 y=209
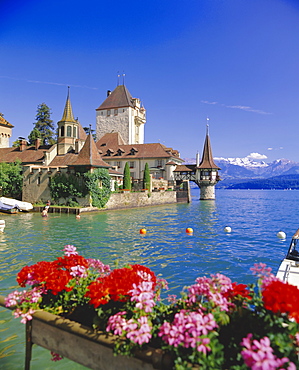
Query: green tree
x=98 y=184
x=34 y=134
x=44 y=125
x=11 y=180
x=127 y=177
x=146 y=177
x=93 y=134
x=67 y=187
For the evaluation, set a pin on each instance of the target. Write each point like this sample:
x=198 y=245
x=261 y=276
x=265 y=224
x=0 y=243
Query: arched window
x=75 y=132
x=69 y=131
x=62 y=131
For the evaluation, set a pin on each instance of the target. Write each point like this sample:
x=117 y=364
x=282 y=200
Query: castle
x=120 y=121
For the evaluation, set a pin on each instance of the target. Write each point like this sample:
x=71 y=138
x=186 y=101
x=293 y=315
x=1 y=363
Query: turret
x=69 y=130
x=207 y=171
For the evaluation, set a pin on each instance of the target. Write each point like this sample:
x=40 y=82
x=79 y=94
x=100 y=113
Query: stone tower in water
x=207 y=171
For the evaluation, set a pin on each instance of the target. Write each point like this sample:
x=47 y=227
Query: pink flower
x=261 y=270
x=189 y=329
x=258 y=355
x=139 y=332
x=78 y=271
x=55 y=356
x=70 y=250
x=13 y=298
x=26 y=316
x=212 y=289
x=144 y=296
x=117 y=323
x=98 y=265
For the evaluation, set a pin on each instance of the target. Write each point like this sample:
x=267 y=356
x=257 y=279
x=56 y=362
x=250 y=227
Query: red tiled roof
x=89 y=155
x=185 y=168
x=207 y=160
x=81 y=132
x=120 y=97
x=28 y=155
x=152 y=150
x=110 y=140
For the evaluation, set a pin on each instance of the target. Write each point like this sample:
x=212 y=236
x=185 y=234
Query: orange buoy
x=142 y=231
x=189 y=230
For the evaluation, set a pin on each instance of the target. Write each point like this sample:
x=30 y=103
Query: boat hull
x=289 y=272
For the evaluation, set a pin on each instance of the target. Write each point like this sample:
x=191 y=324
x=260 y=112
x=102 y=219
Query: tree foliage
x=98 y=184
x=67 y=187
x=146 y=177
x=34 y=134
x=127 y=177
x=44 y=125
x=89 y=130
x=11 y=180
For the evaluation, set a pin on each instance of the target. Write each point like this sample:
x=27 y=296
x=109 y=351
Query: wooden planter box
x=85 y=346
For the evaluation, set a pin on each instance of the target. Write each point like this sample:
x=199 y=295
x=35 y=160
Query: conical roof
x=207 y=161
x=120 y=97
x=89 y=155
x=68 y=111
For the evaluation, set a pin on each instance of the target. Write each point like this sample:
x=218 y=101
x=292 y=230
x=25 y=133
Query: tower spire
x=68 y=111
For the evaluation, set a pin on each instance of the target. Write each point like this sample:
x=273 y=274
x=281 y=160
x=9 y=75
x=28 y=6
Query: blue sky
x=234 y=61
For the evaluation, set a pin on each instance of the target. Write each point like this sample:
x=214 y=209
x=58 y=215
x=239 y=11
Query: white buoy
x=227 y=229
x=281 y=235
x=2 y=226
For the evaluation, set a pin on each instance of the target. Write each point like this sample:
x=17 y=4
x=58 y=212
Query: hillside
x=277 y=182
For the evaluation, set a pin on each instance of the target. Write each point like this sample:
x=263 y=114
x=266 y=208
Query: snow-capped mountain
x=243 y=162
x=249 y=168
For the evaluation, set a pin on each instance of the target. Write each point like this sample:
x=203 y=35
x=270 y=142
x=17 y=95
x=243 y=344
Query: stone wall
x=130 y=200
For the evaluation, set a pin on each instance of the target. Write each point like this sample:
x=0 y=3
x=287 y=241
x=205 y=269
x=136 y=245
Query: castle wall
x=207 y=192
x=113 y=123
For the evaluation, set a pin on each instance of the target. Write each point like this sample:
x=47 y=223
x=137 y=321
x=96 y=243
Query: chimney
x=108 y=92
x=23 y=144
x=37 y=143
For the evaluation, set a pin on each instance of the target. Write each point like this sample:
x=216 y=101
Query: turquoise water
x=254 y=216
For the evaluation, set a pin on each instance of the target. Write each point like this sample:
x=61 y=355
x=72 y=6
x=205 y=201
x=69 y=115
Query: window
x=159 y=163
x=115 y=112
x=38 y=180
x=75 y=131
x=132 y=164
x=118 y=164
x=69 y=131
x=62 y=131
x=108 y=112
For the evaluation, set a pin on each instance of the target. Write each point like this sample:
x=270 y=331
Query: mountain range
x=246 y=173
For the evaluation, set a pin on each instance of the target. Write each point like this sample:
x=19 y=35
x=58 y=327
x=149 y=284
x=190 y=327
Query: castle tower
x=123 y=114
x=71 y=136
x=5 y=132
x=207 y=172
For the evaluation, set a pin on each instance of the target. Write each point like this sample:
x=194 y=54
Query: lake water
x=255 y=217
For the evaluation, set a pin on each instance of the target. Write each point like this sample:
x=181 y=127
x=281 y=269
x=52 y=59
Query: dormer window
x=133 y=151
x=120 y=151
x=109 y=152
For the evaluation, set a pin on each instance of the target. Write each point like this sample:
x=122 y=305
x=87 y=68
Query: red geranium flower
x=280 y=297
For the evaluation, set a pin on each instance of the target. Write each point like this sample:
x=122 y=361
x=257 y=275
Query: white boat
x=18 y=204
x=289 y=268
